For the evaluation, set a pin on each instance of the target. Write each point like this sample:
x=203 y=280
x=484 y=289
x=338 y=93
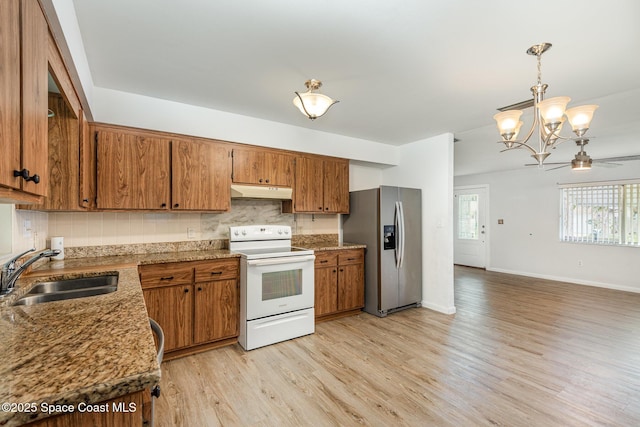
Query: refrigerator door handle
x=401 y=233
x=397 y=223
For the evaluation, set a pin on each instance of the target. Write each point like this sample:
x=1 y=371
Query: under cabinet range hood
x=258 y=192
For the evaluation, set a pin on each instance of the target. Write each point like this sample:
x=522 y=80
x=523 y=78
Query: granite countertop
x=331 y=246
x=80 y=350
x=93 y=263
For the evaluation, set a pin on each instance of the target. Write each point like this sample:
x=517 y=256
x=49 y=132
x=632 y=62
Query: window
x=468 y=216
x=601 y=213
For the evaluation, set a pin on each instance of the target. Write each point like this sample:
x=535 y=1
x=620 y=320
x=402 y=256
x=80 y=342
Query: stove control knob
x=244 y=232
x=286 y=231
x=279 y=230
x=236 y=233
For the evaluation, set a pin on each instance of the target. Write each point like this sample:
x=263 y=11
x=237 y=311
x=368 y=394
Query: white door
x=470 y=226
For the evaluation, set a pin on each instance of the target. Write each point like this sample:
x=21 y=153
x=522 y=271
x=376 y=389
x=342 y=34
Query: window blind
x=600 y=214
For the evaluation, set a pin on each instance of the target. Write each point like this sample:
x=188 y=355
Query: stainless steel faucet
x=10 y=273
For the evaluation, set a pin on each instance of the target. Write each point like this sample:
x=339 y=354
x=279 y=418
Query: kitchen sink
x=69 y=289
x=75 y=284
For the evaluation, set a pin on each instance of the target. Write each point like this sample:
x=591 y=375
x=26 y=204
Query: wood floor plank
x=518 y=352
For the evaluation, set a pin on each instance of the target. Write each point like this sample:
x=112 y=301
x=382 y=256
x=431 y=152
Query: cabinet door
x=326 y=290
x=350 y=286
x=133 y=171
x=309 y=186
x=278 y=169
x=34 y=96
x=201 y=176
x=247 y=166
x=10 y=92
x=63 y=140
x=216 y=310
x=172 y=308
x=336 y=186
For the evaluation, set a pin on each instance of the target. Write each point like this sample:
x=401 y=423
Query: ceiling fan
x=584 y=161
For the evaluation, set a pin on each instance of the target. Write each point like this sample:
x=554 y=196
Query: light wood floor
x=519 y=352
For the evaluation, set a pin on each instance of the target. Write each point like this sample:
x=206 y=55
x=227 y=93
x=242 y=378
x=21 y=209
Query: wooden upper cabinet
x=321 y=186
x=34 y=96
x=23 y=103
x=262 y=167
x=309 y=186
x=201 y=175
x=10 y=90
x=133 y=170
x=63 y=138
x=336 y=186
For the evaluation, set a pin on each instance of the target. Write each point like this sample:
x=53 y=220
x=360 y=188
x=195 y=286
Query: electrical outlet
x=26 y=229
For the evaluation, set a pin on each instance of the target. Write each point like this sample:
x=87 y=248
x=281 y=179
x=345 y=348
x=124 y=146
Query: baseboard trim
x=567 y=280
x=439 y=308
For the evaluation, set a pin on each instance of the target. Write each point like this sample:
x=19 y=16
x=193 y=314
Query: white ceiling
x=402 y=70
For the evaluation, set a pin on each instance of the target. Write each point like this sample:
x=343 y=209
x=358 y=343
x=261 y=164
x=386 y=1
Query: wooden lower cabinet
x=196 y=303
x=339 y=283
x=171 y=307
x=216 y=311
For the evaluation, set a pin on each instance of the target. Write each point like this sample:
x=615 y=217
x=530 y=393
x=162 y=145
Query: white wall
x=428 y=165
x=528 y=243
x=364 y=176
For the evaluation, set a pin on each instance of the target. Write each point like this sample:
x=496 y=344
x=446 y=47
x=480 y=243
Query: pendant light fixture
x=313 y=104
x=548 y=117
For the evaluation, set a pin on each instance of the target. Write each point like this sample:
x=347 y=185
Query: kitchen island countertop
x=80 y=350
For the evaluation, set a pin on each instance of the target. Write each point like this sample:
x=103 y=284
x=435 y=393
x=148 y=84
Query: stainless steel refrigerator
x=389 y=221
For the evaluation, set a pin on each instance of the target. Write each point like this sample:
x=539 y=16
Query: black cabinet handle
x=351 y=259
x=323 y=261
x=342 y=269
x=260 y=180
x=319 y=207
x=164 y=205
x=167 y=278
x=155 y=392
x=199 y=288
x=85 y=200
x=216 y=273
x=334 y=270
x=267 y=181
x=24 y=174
x=176 y=205
x=186 y=291
x=326 y=209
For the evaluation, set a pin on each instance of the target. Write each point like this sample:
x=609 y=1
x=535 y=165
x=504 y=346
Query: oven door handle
x=282 y=260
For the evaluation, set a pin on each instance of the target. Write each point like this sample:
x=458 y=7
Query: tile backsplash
x=111 y=228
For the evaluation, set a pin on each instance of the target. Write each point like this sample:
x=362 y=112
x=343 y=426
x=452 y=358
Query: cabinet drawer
x=326 y=258
x=165 y=274
x=352 y=256
x=217 y=270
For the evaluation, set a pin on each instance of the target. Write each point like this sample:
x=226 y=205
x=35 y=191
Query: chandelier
x=548 y=117
x=313 y=104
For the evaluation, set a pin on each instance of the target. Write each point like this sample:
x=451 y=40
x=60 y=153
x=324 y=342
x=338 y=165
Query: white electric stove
x=276 y=285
